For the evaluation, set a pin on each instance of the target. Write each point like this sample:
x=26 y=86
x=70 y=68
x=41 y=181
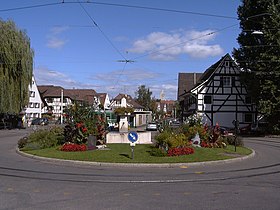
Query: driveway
x=28 y=183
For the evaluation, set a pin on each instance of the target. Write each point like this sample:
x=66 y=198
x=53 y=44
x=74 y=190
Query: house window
x=225 y=81
x=32 y=94
x=248 y=100
x=207 y=99
x=227 y=63
x=49 y=100
x=248 y=118
x=37 y=105
x=31 y=105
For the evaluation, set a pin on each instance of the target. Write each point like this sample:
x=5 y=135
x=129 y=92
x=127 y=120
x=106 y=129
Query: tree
x=144 y=97
x=16 y=68
x=259 y=54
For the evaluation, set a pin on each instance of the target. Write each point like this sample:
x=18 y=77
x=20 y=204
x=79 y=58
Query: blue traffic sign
x=132 y=136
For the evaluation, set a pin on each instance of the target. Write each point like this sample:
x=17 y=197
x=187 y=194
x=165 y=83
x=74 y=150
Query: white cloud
x=169 y=90
x=168 y=46
x=128 y=82
x=54 y=39
x=45 y=76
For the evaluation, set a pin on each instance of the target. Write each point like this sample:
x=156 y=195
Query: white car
x=151 y=126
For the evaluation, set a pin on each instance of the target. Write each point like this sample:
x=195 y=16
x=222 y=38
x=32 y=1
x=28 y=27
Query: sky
x=115 y=46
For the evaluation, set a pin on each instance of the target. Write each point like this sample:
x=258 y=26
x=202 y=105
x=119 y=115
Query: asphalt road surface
x=29 y=183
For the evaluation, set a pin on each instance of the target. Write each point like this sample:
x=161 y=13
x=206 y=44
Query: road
x=28 y=183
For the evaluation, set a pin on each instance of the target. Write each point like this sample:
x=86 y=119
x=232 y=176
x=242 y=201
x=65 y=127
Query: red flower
x=71 y=147
x=84 y=130
x=79 y=125
x=180 y=151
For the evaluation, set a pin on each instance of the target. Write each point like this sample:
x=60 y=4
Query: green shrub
x=230 y=140
x=22 y=142
x=42 y=139
x=177 y=140
x=162 y=138
x=157 y=152
x=59 y=133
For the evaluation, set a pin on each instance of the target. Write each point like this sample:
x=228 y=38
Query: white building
x=34 y=108
x=219 y=96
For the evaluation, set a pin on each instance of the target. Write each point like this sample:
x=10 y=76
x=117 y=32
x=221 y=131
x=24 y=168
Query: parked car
x=175 y=124
x=225 y=131
x=152 y=126
x=40 y=121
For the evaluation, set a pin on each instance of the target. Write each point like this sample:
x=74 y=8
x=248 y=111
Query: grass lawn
x=121 y=153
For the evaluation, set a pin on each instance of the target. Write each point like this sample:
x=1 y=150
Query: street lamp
x=257 y=33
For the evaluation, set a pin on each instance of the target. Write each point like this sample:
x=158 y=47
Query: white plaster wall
x=116 y=137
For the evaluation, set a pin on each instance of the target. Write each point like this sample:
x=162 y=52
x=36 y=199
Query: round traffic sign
x=132 y=136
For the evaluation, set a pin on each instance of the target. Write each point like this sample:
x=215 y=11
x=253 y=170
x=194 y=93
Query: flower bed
x=180 y=151
x=71 y=147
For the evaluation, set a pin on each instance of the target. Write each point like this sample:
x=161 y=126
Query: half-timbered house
x=219 y=96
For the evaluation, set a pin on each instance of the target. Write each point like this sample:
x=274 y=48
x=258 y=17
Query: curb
x=151 y=165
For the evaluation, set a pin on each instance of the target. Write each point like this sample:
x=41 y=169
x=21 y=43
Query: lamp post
x=61 y=107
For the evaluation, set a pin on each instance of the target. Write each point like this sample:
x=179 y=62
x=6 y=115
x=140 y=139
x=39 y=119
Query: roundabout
x=32 y=183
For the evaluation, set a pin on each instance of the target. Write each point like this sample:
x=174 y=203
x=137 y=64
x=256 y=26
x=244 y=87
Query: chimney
x=194 y=78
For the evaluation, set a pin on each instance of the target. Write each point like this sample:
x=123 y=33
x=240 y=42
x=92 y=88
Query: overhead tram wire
x=125 y=60
x=30 y=7
x=121 y=5
x=162 y=9
x=102 y=32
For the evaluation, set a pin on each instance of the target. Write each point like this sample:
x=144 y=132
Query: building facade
x=34 y=108
x=219 y=96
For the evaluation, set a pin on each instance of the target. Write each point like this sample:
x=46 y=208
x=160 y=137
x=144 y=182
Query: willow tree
x=16 y=68
x=259 y=55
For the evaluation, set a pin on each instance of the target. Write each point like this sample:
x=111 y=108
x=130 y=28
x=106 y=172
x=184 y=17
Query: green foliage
x=161 y=138
x=230 y=140
x=16 y=68
x=168 y=139
x=144 y=97
x=177 y=140
x=22 y=142
x=42 y=139
x=83 y=121
x=259 y=54
x=123 y=110
x=157 y=152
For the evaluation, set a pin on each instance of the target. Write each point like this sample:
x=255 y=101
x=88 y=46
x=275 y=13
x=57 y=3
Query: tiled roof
x=211 y=69
x=86 y=95
x=187 y=81
x=102 y=97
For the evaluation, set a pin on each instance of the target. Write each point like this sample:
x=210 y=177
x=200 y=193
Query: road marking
x=183 y=166
x=126 y=194
x=156 y=194
x=10 y=189
x=199 y=172
x=187 y=193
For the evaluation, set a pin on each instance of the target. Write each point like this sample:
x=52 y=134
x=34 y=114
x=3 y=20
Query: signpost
x=236 y=128
x=132 y=137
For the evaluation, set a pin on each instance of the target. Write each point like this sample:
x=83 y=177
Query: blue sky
x=81 y=45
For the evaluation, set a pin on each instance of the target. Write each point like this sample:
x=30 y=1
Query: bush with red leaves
x=71 y=147
x=205 y=144
x=180 y=151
